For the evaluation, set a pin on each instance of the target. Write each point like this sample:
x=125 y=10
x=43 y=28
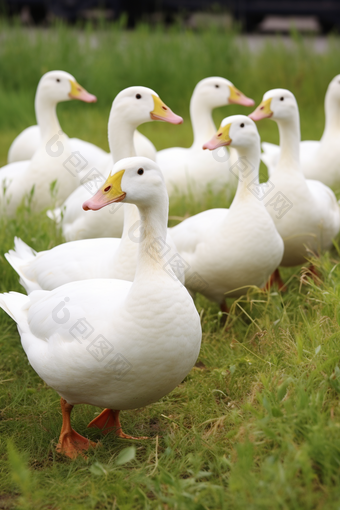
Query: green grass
x=256 y=424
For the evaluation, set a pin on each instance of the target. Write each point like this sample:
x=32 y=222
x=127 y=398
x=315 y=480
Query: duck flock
x=109 y=318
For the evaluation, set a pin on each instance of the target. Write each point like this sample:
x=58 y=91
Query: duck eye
x=138 y=96
x=281 y=98
x=242 y=125
x=107 y=188
x=140 y=171
x=217 y=86
x=58 y=80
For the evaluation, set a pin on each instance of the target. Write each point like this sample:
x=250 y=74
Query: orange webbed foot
x=122 y=435
x=105 y=421
x=73 y=444
x=108 y=421
x=70 y=442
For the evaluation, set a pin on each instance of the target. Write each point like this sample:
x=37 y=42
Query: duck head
x=142 y=104
x=58 y=86
x=237 y=131
x=136 y=180
x=277 y=104
x=216 y=91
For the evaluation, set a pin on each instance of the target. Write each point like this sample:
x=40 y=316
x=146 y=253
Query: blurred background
x=169 y=46
x=259 y=15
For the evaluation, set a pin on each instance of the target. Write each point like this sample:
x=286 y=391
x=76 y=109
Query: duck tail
x=15 y=305
x=20 y=256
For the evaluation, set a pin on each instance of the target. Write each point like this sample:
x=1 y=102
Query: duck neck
x=202 y=122
x=153 y=231
x=289 y=130
x=131 y=223
x=248 y=166
x=332 y=113
x=120 y=133
x=46 y=114
x=121 y=143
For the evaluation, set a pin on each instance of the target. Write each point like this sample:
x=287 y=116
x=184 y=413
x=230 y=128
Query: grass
x=256 y=424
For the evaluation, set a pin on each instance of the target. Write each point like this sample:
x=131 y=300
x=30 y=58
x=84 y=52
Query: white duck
x=305 y=212
x=193 y=169
x=48 y=163
x=109 y=257
x=28 y=141
x=227 y=251
x=113 y=343
x=131 y=107
x=320 y=160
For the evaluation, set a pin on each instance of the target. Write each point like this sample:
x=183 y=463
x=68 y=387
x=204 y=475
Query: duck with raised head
x=193 y=169
x=132 y=107
x=319 y=160
x=305 y=211
x=46 y=170
x=229 y=250
x=136 y=341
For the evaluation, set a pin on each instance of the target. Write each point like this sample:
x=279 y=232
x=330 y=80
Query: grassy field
x=256 y=424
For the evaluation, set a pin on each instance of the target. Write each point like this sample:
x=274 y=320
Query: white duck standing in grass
x=320 y=160
x=28 y=141
x=140 y=340
x=193 y=169
x=46 y=169
x=131 y=108
x=306 y=212
x=229 y=250
x=110 y=257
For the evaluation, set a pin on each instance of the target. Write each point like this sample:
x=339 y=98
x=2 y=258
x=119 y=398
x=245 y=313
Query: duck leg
x=276 y=278
x=313 y=270
x=225 y=310
x=108 y=421
x=70 y=442
x=224 y=307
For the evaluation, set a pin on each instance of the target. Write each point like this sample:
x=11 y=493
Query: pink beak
x=92 y=204
x=170 y=117
x=99 y=200
x=258 y=115
x=215 y=143
x=83 y=95
x=242 y=100
x=245 y=101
